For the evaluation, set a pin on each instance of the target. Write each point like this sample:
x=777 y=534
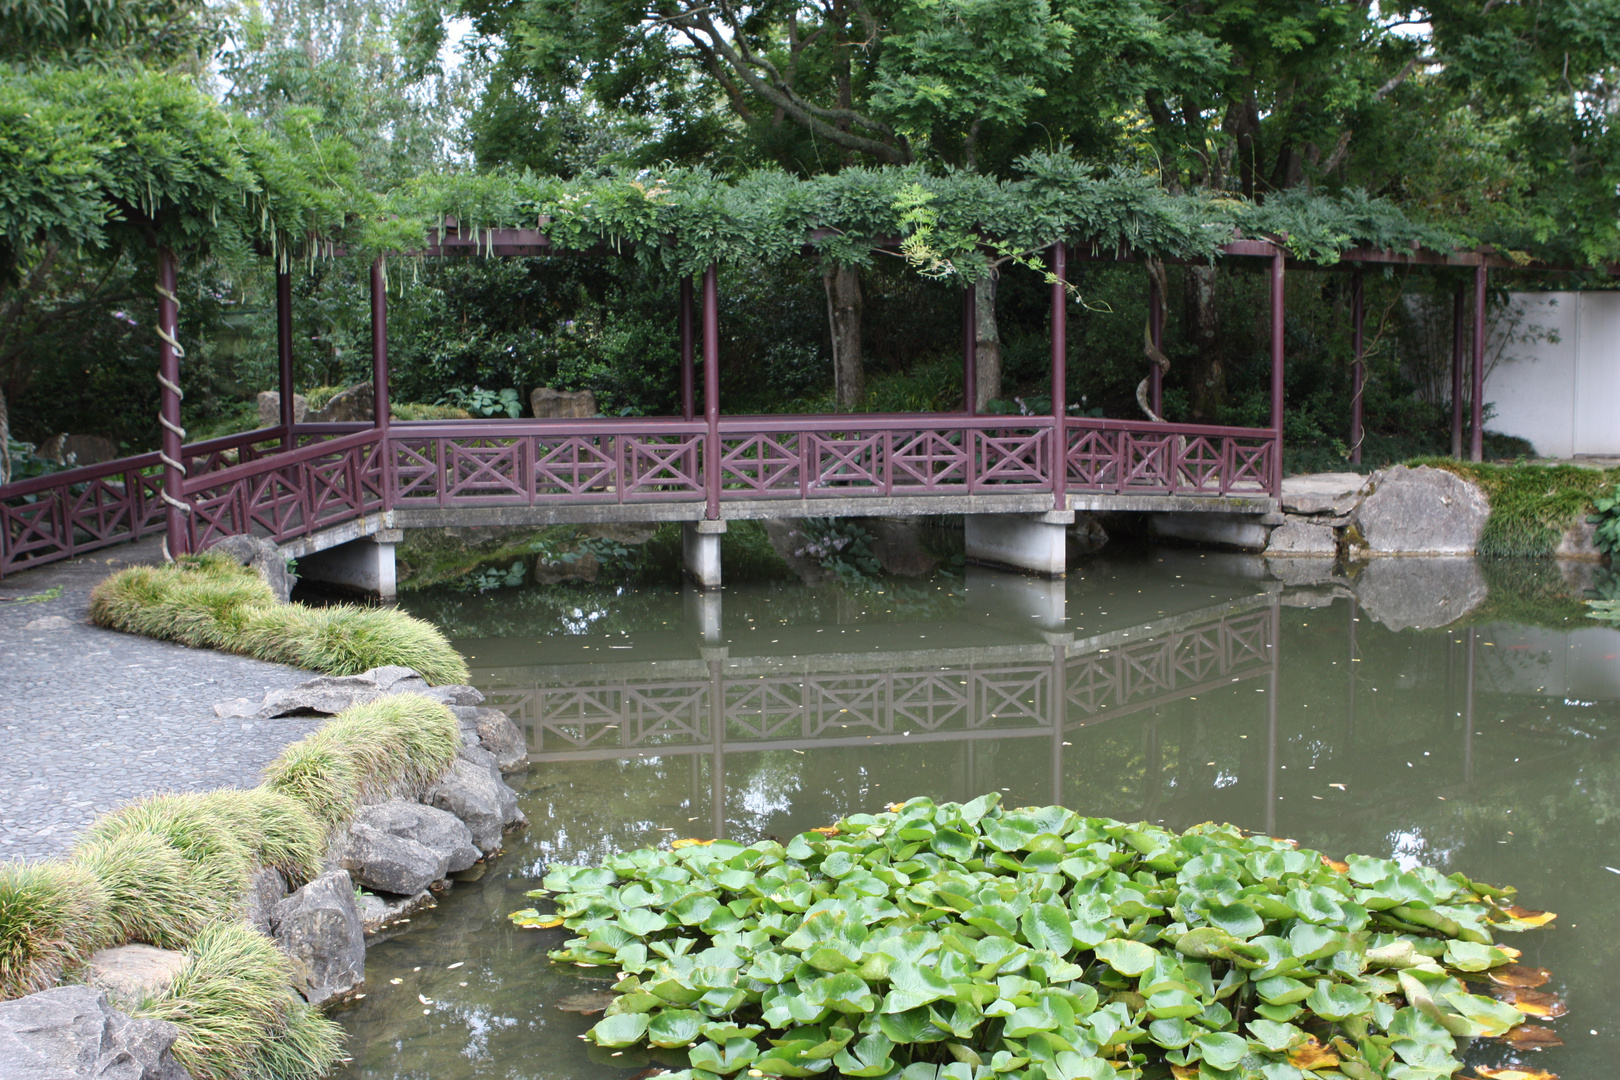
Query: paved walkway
x=91 y=719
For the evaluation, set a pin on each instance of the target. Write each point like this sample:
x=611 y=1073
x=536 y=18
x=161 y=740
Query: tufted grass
x=233 y=1000
x=152 y=894
x=1532 y=506
x=211 y=601
x=51 y=914
x=220 y=861
x=401 y=739
x=306 y=1049
x=347 y=639
x=278 y=830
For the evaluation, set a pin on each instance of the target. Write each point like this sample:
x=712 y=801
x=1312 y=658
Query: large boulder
x=71 y=1031
x=549 y=404
x=357 y=403
x=392 y=864
x=329 y=695
x=270 y=408
x=495 y=732
x=438 y=830
x=265 y=890
x=474 y=792
x=1420 y=594
x=1422 y=511
x=264 y=556
x=318 y=927
x=1295 y=539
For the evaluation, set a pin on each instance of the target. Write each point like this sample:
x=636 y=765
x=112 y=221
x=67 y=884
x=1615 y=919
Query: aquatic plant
x=211 y=601
x=966 y=941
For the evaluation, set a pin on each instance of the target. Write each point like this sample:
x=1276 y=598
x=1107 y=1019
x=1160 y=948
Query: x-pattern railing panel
x=488 y=470
x=1014 y=459
x=662 y=465
x=762 y=464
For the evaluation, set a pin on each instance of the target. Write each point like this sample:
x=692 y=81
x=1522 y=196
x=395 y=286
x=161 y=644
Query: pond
x=1171 y=686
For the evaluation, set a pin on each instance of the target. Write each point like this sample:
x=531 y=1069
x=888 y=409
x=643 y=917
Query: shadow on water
x=1415 y=709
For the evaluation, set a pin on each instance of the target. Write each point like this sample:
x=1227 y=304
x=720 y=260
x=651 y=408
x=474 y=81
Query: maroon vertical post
x=1476 y=435
x=177 y=508
x=1277 y=365
x=1457 y=373
x=970 y=350
x=1060 y=375
x=688 y=390
x=379 y=345
x=1358 y=363
x=284 y=356
x=711 y=389
x=1156 y=335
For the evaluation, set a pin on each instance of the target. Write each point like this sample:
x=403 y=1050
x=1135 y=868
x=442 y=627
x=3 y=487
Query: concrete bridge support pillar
x=700 y=551
x=1033 y=543
x=365 y=565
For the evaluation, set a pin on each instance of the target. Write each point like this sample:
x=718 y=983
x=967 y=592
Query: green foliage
x=211 y=601
x=233 y=1001
x=278 y=831
x=50 y=915
x=480 y=402
x=153 y=892
x=218 y=858
x=1532 y=506
x=403 y=738
x=841 y=546
x=965 y=941
x=1606 y=516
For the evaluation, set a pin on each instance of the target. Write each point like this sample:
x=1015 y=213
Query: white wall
x=1565 y=396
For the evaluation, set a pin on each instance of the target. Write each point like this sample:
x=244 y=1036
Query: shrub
x=955 y=942
x=211 y=601
x=51 y=913
x=401 y=739
x=152 y=894
x=232 y=1001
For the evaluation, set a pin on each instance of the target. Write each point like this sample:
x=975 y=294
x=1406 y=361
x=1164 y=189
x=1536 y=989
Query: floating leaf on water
x=530 y=919
x=1531 y=1002
x=592 y=1001
x=1532 y=1037
x=1515 y=1074
x=1311 y=1055
x=826 y=830
x=1517 y=975
x=689 y=842
x=1520 y=918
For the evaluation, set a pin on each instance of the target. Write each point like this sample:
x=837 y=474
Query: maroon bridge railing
x=79 y=510
x=250 y=483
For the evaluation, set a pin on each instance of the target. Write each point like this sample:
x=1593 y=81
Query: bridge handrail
x=272 y=462
x=85 y=473
x=1074 y=423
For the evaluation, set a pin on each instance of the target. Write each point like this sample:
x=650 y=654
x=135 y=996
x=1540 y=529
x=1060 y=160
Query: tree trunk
x=844 y=306
x=1203 y=321
x=988 y=346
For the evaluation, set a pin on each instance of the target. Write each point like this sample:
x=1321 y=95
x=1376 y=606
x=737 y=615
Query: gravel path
x=91 y=719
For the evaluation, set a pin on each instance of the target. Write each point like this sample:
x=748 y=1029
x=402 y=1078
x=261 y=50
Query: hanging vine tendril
x=179 y=354
x=1155 y=355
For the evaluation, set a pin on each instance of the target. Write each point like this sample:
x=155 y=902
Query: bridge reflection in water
x=1045 y=687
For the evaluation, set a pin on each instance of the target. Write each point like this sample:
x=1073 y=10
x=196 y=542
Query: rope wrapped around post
x=173 y=342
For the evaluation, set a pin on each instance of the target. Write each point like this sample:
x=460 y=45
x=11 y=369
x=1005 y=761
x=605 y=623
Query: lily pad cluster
x=968 y=942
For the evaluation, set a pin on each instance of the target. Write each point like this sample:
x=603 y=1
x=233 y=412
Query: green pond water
x=1168 y=686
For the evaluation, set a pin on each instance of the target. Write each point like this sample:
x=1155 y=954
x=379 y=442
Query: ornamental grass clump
x=51 y=914
x=278 y=830
x=965 y=941
x=152 y=892
x=400 y=740
x=211 y=601
x=238 y=1014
